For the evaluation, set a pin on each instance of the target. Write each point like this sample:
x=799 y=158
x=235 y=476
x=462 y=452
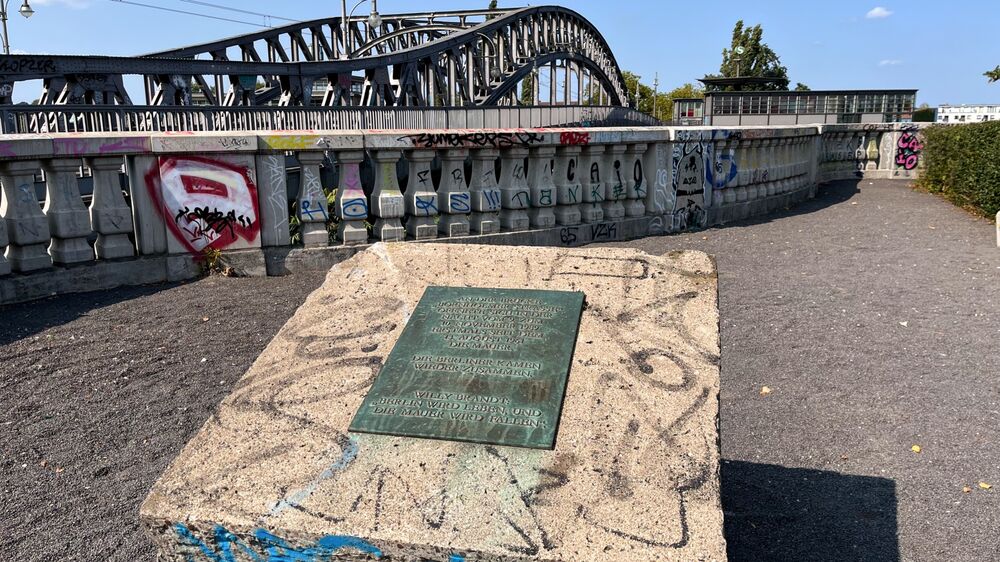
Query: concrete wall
x=196 y=198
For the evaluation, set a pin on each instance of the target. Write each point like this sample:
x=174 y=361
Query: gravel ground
x=871 y=313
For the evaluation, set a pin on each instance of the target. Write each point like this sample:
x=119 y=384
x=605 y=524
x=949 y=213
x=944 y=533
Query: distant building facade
x=967 y=113
x=775 y=108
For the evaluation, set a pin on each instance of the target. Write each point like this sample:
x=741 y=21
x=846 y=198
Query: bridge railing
x=25 y=119
x=164 y=205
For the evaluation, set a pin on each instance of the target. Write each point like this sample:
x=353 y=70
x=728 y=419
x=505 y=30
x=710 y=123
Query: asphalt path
x=870 y=313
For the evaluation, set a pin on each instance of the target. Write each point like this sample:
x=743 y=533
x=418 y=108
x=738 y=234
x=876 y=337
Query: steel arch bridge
x=444 y=59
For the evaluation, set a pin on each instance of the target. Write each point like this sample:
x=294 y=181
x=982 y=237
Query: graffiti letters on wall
x=205 y=203
x=689 y=176
x=908 y=150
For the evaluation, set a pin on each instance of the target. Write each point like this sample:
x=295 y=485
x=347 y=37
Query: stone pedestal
x=569 y=192
x=420 y=198
x=486 y=197
x=274 y=474
x=453 y=193
x=593 y=186
x=111 y=217
x=27 y=227
x=350 y=203
x=312 y=212
x=543 y=190
x=69 y=221
x=386 y=199
x=615 y=179
x=515 y=195
x=635 y=192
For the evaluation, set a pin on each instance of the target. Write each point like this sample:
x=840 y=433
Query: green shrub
x=962 y=163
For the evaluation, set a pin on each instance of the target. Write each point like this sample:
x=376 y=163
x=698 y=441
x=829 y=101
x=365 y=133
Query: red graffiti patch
x=205 y=203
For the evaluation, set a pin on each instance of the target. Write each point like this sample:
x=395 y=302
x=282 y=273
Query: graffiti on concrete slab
x=574 y=138
x=690 y=181
x=908 y=150
x=474 y=140
x=205 y=203
x=223 y=546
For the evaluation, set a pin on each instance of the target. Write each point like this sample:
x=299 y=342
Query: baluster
x=69 y=220
x=635 y=184
x=543 y=191
x=386 y=199
x=110 y=215
x=272 y=198
x=568 y=190
x=614 y=183
x=312 y=211
x=486 y=196
x=873 y=154
x=657 y=173
x=420 y=198
x=514 y=190
x=350 y=203
x=27 y=228
x=766 y=187
x=593 y=187
x=453 y=193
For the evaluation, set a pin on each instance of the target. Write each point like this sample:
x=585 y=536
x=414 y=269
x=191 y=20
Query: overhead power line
x=247 y=12
x=185 y=12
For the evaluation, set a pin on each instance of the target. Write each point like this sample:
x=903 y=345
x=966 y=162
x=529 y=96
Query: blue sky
x=942 y=49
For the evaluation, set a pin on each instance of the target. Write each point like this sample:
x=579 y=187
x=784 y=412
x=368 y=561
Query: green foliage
x=962 y=163
x=757 y=60
x=923 y=114
x=993 y=75
x=800 y=87
x=528 y=90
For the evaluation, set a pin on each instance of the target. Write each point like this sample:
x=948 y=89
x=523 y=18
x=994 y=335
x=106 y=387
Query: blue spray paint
x=270 y=548
x=456 y=558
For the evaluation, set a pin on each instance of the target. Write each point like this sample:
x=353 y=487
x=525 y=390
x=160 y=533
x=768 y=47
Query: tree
x=749 y=56
x=923 y=114
x=993 y=75
x=528 y=89
x=800 y=87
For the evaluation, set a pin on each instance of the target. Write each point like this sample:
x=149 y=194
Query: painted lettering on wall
x=205 y=203
x=574 y=138
x=908 y=151
x=476 y=140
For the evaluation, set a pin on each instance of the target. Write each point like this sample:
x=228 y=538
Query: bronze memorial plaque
x=480 y=365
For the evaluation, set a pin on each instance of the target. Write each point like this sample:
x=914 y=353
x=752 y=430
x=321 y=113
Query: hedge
x=962 y=163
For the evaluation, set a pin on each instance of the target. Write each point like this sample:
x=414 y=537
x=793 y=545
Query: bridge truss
x=446 y=59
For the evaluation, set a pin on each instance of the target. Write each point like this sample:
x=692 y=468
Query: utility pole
x=344 y=29
x=656 y=89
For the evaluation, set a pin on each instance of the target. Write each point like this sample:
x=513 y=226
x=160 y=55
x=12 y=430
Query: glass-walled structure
x=803 y=108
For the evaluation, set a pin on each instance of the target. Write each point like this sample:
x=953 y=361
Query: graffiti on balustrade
x=82 y=146
x=690 y=183
x=352 y=205
x=574 y=138
x=221 y=545
x=908 y=151
x=205 y=203
x=474 y=140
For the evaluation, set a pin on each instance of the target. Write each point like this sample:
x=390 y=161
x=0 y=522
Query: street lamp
x=25 y=11
x=374 y=21
x=495 y=70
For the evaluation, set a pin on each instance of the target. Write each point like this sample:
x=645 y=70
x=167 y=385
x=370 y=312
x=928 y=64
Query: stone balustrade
x=162 y=206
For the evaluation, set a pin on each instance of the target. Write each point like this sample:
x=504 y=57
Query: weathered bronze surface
x=480 y=365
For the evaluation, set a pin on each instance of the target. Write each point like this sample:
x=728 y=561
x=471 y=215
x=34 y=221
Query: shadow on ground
x=778 y=513
x=30 y=318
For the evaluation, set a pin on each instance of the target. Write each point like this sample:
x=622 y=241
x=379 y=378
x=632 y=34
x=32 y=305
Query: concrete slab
x=274 y=474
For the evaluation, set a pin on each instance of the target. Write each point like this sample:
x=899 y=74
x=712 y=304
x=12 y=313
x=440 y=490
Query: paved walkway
x=871 y=313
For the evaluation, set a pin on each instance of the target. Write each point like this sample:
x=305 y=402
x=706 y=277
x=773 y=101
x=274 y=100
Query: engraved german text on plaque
x=480 y=365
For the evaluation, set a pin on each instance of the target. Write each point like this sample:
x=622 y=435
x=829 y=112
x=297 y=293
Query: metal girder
x=463 y=58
